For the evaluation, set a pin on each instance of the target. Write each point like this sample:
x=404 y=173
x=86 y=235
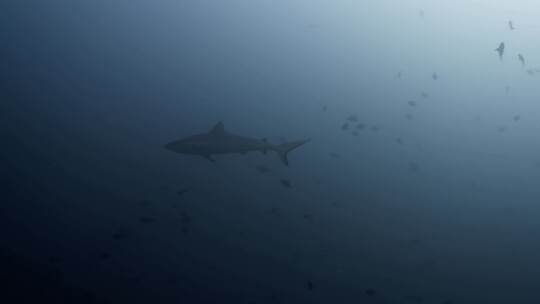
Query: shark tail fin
x=285 y=148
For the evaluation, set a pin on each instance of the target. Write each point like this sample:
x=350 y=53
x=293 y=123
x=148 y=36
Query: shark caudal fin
x=285 y=148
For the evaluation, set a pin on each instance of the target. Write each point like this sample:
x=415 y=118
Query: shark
x=220 y=141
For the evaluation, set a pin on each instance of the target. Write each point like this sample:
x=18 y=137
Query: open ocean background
x=420 y=183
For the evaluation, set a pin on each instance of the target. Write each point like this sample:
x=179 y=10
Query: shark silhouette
x=219 y=141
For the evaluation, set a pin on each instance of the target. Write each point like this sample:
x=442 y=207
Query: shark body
x=219 y=141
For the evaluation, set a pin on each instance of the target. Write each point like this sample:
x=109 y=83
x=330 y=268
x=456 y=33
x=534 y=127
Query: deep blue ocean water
x=419 y=184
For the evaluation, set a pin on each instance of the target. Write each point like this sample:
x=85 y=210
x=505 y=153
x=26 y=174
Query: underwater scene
x=270 y=151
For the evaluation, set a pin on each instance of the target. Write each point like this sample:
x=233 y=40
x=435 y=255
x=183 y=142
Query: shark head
x=189 y=145
x=178 y=146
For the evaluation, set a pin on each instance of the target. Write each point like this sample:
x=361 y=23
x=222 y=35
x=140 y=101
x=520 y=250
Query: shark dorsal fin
x=218 y=129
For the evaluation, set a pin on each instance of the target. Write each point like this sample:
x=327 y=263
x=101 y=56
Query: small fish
x=517 y=118
x=435 y=76
x=146 y=219
x=415 y=299
x=275 y=211
x=262 y=169
x=88 y=296
x=370 y=292
x=185 y=218
x=424 y=95
x=414 y=242
x=521 y=59
x=399 y=140
x=501 y=129
x=172 y=279
x=119 y=235
x=308 y=217
x=104 y=256
x=55 y=259
x=500 y=50
x=309 y=285
x=411 y=103
x=286 y=183
x=335 y=155
x=414 y=167
x=146 y=203
x=355 y=133
x=325 y=108
x=408 y=116
x=345 y=126
x=511 y=25
x=421 y=13
x=360 y=126
x=274 y=297
x=374 y=128
x=352 y=118
x=183 y=191
x=399 y=74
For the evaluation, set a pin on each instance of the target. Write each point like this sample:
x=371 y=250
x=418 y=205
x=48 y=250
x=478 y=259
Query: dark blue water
x=430 y=195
